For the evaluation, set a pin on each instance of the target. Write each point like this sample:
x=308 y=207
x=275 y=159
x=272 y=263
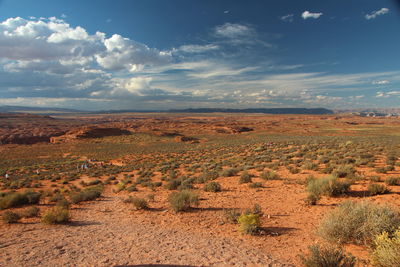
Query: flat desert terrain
x=188 y=189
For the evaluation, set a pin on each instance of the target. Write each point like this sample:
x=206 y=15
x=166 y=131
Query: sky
x=169 y=54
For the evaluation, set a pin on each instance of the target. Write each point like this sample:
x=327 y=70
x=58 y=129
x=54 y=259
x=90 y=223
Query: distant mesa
x=316 y=111
x=88 y=132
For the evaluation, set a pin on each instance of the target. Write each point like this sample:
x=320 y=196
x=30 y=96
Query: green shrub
x=12 y=200
x=377 y=189
x=256 y=185
x=359 y=222
x=183 y=200
x=131 y=188
x=386 y=251
x=173 y=184
x=56 y=215
x=88 y=194
x=231 y=215
x=270 y=175
x=313 y=198
x=344 y=171
x=329 y=186
x=327 y=257
x=139 y=203
x=229 y=172
x=212 y=187
x=10 y=217
x=245 y=177
x=249 y=223
x=393 y=181
x=30 y=212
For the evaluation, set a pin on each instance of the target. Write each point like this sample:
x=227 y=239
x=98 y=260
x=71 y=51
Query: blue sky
x=161 y=54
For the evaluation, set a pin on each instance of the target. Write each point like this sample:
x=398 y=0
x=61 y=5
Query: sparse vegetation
x=56 y=215
x=328 y=256
x=183 y=201
x=359 y=222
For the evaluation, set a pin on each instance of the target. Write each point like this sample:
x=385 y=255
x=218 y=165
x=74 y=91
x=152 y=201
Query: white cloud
x=198 y=48
x=381 y=82
x=309 y=15
x=123 y=53
x=233 y=30
x=288 y=18
x=377 y=13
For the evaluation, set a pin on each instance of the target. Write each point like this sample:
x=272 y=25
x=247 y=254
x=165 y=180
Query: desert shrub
x=56 y=215
x=229 y=172
x=313 y=198
x=88 y=194
x=186 y=184
x=358 y=222
x=269 y=175
x=344 y=171
x=212 y=187
x=249 y=223
x=293 y=170
x=12 y=200
x=309 y=165
x=131 y=188
x=374 y=178
x=393 y=181
x=139 y=203
x=207 y=176
x=386 y=251
x=328 y=256
x=381 y=170
x=30 y=212
x=183 y=200
x=256 y=185
x=10 y=217
x=329 y=186
x=173 y=184
x=245 y=177
x=377 y=189
x=231 y=215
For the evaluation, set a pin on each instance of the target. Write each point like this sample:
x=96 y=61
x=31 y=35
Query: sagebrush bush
x=386 y=252
x=212 y=187
x=139 y=203
x=269 y=175
x=56 y=215
x=245 y=177
x=11 y=200
x=377 y=189
x=183 y=200
x=231 y=215
x=344 y=171
x=393 y=181
x=88 y=194
x=329 y=186
x=30 y=212
x=359 y=222
x=328 y=256
x=10 y=217
x=249 y=223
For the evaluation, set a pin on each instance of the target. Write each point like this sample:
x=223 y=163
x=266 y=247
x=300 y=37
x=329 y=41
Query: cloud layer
x=48 y=62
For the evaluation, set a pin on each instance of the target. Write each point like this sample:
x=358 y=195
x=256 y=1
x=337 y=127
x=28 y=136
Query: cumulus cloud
x=123 y=53
x=377 y=13
x=288 y=18
x=309 y=15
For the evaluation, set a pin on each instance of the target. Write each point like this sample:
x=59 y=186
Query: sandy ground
x=105 y=233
